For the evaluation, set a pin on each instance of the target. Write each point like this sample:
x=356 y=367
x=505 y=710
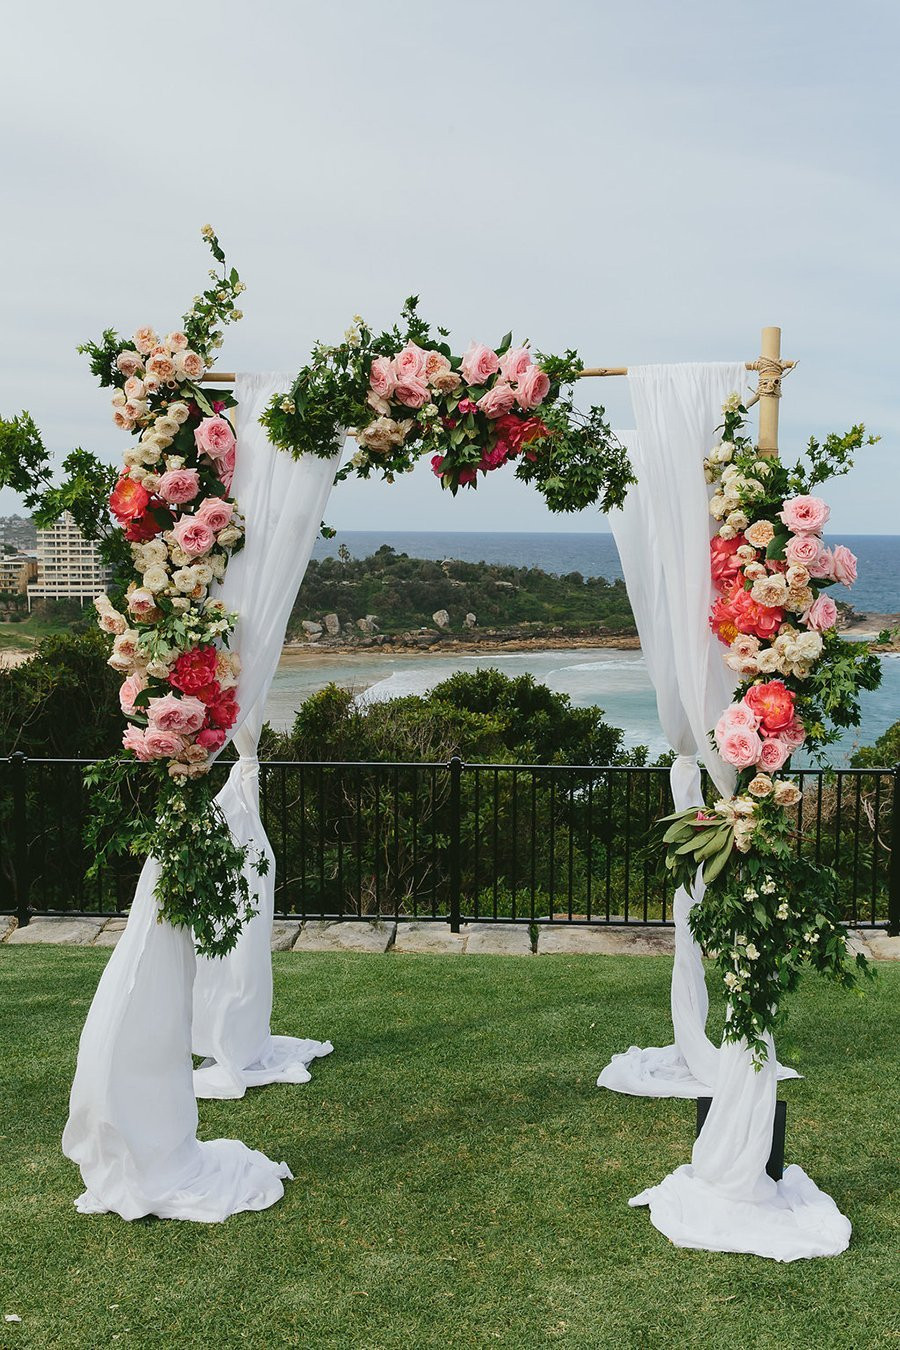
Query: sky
x=644 y=182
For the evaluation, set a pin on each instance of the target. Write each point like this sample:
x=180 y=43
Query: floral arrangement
x=766 y=912
x=170 y=637
x=405 y=394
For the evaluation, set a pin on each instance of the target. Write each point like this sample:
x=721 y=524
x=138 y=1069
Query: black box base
x=775 y=1165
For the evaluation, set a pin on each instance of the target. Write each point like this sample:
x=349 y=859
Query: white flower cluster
x=791 y=652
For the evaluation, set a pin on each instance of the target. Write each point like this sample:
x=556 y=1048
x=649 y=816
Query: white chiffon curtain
x=723 y=1200
x=133 y=1114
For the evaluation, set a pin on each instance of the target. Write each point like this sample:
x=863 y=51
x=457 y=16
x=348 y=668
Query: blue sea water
x=616 y=681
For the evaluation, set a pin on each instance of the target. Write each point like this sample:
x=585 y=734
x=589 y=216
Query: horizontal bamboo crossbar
x=228 y=376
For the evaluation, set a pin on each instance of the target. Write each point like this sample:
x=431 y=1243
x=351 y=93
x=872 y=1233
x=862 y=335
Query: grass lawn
x=460 y=1182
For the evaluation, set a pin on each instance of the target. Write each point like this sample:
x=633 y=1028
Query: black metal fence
x=452 y=841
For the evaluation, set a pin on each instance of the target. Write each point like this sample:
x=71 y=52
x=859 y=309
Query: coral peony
x=128 y=500
x=723 y=560
x=773 y=704
x=735 y=612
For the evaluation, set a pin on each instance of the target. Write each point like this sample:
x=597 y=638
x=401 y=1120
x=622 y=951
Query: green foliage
x=404 y=592
x=578 y=463
x=139 y=810
x=884 y=754
x=63 y=702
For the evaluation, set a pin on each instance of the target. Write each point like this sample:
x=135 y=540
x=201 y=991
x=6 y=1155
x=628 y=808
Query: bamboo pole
x=589 y=372
x=769 y=391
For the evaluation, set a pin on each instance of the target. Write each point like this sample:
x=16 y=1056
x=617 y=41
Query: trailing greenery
x=404 y=592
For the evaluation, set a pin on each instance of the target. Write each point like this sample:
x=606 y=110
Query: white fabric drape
x=283 y=500
x=661 y=534
x=723 y=1200
x=133 y=1114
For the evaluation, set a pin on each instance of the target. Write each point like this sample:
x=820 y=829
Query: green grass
x=32 y=630
x=460 y=1180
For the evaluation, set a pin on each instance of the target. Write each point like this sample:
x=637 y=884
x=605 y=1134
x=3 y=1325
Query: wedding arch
x=216 y=522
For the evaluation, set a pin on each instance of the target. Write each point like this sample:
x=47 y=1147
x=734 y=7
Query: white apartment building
x=68 y=566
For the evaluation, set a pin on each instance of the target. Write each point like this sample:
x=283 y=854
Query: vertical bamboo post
x=769 y=392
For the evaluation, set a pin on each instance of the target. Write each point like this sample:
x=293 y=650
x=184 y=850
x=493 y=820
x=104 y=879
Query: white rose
x=156 y=578
x=155 y=551
x=119 y=399
x=738 y=520
x=717 y=505
x=157 y=669
x=218 y=564
x=178 y=556
x=230 y=535
x=727 y=532
x=185 y=579
x=180 y=603
x=166 y=426
x=204 y=573
x=179 y=412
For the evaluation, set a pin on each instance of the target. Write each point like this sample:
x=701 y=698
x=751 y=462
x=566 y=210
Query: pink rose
x=225 y=468
x=793 y=735
x=514 y=363
x=411 y=391
x=214 y=437
x=215 y=512
x=211 y=738
x=129 y=363
x=133 y=739
x=194 y=536
x=821 y=614
x=804 y=515
x=803 y=550
x=823 y=565
x=737 y=716
x=773 y=754
x=479 y=363
x=381 y=377
x=740 y=747
x=497 y=401
x=182 y=716
x=435 y=364
x=161 y=744
x=410 y=362
x=179 y=486
x=843 y=565
x=134 y=685
x=533 y=387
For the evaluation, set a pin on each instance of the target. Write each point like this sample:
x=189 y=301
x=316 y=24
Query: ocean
x=613 y=680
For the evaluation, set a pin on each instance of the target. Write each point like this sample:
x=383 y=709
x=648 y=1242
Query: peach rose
x=188 y=365
x=787 y=793
x=162 y=366
x=436 y=363
x=129 y=363
x=760 y=534
x=141 y=603
x=134 y=388
x=145 y=340
x=177 y=341
x=446 y=381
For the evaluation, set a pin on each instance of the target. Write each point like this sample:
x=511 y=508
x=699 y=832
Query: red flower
x=223 y=712
x=773 y=704
x=139 y=531
x=128 y=500
x=437 y=465
x=211 y=739
x=195 y=673
x=533 y=429
x=724 y=564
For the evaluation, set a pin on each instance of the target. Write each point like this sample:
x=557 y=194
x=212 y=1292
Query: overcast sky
x=645 y=182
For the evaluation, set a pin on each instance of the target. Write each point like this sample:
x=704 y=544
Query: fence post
x=455 y=767
x=894 y=866
x=17 y=763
